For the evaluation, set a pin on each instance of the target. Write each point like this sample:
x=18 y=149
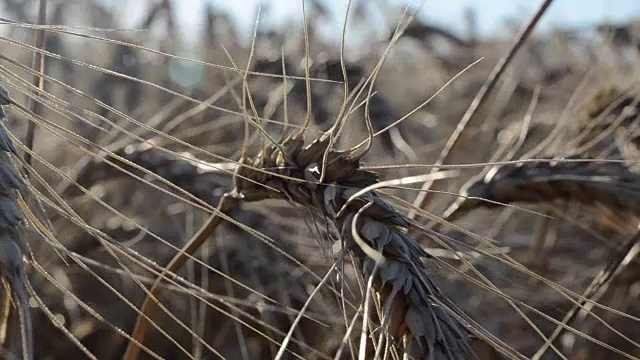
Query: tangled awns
x=415 y=194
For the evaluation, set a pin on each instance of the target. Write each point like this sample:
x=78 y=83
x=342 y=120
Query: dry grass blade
x=481 y=97
x=38 y=65
x=202 y=181
x=609 y=112
x=599 y=284
x=227 y=203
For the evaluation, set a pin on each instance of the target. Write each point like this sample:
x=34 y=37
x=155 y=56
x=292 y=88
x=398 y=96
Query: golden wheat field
x=420 y=194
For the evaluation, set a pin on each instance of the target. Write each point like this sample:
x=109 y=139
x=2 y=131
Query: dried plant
x=594 y=183
x=17 y=333
x=415 y=315
x=131 y=267
x=185 y=171
x=605 y=115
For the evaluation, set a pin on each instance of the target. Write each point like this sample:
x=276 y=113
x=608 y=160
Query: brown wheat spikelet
x=414 y=316
x=18 y=337
x=587 y=182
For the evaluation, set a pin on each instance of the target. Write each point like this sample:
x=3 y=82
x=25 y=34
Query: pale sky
x=491 y=13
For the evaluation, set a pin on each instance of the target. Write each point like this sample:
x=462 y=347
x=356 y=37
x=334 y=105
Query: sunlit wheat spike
x=13 y=248
x=414 y=317
x=587 y=182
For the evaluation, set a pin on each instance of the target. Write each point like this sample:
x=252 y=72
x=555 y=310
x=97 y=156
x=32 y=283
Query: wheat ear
x=413 y=316
x=12 y=246
x=611 y=184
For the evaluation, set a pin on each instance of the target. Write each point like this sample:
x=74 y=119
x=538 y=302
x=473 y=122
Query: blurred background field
x=559 y=98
